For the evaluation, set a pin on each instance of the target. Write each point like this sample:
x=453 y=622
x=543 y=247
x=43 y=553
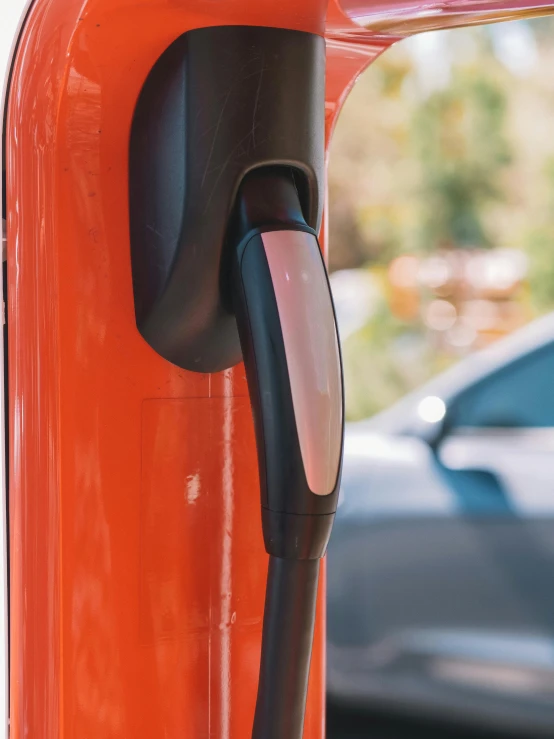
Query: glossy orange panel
x=137 y=563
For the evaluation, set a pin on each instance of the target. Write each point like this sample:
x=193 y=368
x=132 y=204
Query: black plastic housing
x=219 y=103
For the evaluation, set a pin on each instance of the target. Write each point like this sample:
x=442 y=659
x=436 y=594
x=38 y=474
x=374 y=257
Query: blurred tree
x=369 y=158
x=411 y=170
x=458 y=137
x=539 y=243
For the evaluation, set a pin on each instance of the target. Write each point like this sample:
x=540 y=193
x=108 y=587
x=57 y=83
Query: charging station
x=159 y=155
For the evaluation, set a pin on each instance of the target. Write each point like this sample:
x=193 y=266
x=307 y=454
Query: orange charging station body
x=137 y=567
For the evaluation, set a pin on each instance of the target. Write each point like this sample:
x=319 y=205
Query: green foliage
x=460 y=143
x=385 y=360
x=540 y=249
x=539 y=244
x=375 y=375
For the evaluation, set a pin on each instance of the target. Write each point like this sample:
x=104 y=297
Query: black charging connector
x=296 y=522
x=298 y=421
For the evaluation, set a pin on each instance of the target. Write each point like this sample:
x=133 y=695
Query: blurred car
x=441 y=563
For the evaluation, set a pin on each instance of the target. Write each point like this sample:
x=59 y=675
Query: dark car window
x=519 y=395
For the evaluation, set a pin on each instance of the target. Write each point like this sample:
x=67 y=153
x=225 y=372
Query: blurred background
x=441 y=564
x=441 y=187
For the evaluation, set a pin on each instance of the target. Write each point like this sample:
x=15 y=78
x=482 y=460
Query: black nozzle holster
x=219 y=103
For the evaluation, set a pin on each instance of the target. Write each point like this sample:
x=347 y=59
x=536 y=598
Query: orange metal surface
x=137 y=562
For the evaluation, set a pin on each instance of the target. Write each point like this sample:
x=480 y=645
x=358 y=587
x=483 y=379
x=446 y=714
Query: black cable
x=288 y=632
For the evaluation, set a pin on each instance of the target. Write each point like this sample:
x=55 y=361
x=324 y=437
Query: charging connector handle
x=290 y=346
x=291 y=351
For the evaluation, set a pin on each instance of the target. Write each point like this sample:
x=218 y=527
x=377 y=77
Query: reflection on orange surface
x=400 y=26
x=400 y=18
